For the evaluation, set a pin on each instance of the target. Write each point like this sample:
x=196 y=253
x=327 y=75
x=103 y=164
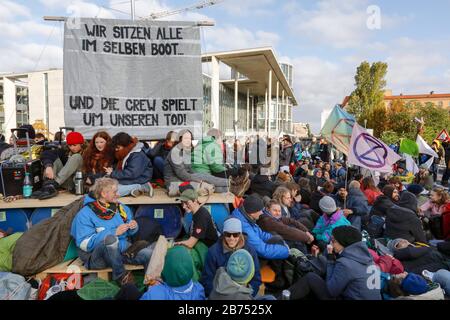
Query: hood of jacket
x=397 y=214
x=408 y=201
x=224 y=285
x=353 y=192
x=358 y=252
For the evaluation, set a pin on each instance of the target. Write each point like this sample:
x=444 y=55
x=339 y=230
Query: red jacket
x=387 y=264
x=371 y=195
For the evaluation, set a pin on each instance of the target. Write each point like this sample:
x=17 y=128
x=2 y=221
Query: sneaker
x=428 y=275
x=147 y=189
x=136 y=192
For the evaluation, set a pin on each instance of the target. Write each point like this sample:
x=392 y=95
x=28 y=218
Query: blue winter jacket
x=353 y=275
x=257 y=238
x=217 y=258
x=191 y=291
x=357 y=202
x=136 y=168
x=89 y=231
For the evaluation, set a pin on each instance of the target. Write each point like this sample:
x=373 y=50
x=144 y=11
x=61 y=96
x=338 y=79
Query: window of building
x=22 y=112
x=440 y=104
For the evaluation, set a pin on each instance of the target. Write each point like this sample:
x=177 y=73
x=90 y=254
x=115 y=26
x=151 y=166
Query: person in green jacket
x=208 y=156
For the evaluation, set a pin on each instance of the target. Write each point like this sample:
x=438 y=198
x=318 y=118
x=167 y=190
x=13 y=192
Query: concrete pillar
x=265 y=112
x=215 y=94
x=9 y=100
x=236 y=97
x=277 y=115
x=248 y=109
x=283 y=102
x=270 y=103
x=253 y=113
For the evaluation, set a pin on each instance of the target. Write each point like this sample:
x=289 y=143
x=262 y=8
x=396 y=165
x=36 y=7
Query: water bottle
x=27 y=189
x=79 y=185
x=286 y=295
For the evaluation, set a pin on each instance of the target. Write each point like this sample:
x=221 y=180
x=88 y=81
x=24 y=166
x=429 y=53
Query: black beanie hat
x=253 y=204
x=415 y=189
x=346 y=235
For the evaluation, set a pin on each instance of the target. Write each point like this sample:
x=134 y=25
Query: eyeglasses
x=229 y=235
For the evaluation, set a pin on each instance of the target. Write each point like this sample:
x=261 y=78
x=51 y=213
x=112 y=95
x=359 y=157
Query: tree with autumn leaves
x=396 y=121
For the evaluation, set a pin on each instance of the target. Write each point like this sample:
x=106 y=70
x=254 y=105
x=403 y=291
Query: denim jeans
x=125 y=190
x=443 y=278
x=108 y=255
x=158 y=168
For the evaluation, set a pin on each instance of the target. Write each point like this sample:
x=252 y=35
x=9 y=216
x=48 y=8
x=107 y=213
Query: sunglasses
x=229 y=235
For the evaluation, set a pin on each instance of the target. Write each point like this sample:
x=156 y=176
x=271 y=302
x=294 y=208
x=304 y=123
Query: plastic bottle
x=286 y=295
x=27 y=189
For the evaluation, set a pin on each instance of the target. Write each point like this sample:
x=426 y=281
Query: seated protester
x=293 y=232
x=60 y=166
x=418 y=191
x=339 y=173
x=207 y=156
x=21 y=143
x=347 y=276
x=134 y=169
x=231 y=282
x=159 y=153
x=437 y=203
x=261 y=184
x=178 y=168
x=397 y=183
x=417 y=258
x=218 y=255
x=331 y=218
x=317 y=195
x=402 y=220
x=305 y=191
x=298 y=211
x=283 y=196
x=424 y=178
x=40 y=139
x=401 y=170
x=341 y=198
x=249 y=213
x=370 y=190
x=299 y=172
x=3 y=144
x=98 y=156
x=327 y=168
x=177 y=276
x=102 y=229
x=390 y=197
x=203 y=228
x=357 y=203
x=405 y=284
x=317 y=180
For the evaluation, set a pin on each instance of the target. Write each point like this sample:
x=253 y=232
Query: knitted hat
x=415 y=189
x=188 y=194
x=178 y=267
x=253 y=204
x=346 y=235
x=392 y=244
x=241 y=267
x=327 y=205
x=232 y=225
x=414 y=284
x=74 y=138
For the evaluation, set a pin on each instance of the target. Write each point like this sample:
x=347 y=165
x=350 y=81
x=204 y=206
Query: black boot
x=49 y=190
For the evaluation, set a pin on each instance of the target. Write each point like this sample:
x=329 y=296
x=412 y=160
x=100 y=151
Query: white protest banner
x=424 y=148
x=141 y=77
x=368 y=152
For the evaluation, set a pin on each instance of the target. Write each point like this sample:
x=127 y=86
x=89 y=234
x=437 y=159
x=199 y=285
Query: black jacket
x=381 y=205
x=50 y=156
x=286 y=156
x=417 y=259
x=402 y=220
x=262 y=185
x=160 y=150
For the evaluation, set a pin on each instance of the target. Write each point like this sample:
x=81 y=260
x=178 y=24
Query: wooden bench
x=76 y=266
x=65 y=198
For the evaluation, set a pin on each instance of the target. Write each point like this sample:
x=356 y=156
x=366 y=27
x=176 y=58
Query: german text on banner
x=369 y=152
x=142 y=77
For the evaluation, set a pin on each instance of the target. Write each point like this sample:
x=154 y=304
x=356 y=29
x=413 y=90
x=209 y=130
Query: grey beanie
x=393 y=243
x=327 y=205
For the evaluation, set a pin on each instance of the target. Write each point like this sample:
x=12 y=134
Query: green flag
x=409 y=147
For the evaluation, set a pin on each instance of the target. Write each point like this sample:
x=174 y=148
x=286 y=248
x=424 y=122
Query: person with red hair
x=98 y=156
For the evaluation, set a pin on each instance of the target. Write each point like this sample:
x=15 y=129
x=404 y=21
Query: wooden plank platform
x=76 y=266
x=65 y=198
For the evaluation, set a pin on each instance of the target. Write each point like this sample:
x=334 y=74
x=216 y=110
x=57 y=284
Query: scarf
x=106 y=211
x=122 y=153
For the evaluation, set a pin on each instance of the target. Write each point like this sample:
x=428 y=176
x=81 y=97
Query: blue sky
x=325 y=40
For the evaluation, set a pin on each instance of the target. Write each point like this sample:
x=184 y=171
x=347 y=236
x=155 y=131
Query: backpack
x=376 y=226
x=298 y=265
